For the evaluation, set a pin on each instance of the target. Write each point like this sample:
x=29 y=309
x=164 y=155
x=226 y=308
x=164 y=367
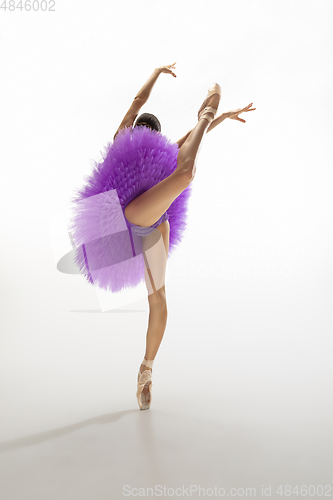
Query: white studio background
x=250 y=287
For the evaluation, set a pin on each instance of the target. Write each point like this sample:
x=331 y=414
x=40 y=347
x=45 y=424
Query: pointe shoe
x=143 y=393
x=204 y=110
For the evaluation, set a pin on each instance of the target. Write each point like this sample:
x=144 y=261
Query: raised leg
x=147 y=208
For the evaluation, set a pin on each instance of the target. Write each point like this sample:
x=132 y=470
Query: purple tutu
x=108 y=248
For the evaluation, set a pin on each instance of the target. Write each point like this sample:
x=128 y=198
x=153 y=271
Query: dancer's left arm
x=142 y=96
x=144 y=92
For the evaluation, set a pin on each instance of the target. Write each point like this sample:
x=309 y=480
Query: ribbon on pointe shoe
x=143 y=379
x=203 y=114
x=148 y=362
x=214 y=89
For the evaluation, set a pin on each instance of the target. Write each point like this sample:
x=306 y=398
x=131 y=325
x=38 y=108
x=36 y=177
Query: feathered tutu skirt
x=107 y=251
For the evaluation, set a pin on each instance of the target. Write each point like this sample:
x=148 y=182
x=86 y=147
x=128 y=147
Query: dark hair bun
x=150 y=120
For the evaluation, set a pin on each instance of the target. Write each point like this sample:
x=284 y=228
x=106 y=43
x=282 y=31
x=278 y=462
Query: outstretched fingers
x=247 y=107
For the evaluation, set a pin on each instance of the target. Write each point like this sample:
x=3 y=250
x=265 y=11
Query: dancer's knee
x=158 y=298
x=186 y=168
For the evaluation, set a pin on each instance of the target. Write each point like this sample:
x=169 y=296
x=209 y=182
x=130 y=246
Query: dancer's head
x=148 y=120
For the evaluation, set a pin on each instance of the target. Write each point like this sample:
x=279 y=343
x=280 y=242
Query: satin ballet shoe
x=143 y=393
x=204 y=110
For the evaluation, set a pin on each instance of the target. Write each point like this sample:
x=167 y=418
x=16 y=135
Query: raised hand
x=233 y=115
x=168 y=69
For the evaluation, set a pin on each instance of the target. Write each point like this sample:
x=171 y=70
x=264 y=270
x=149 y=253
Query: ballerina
x=149 y=179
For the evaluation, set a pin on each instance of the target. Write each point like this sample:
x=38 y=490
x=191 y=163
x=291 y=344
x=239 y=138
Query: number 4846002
x=304 y=490
x=34 y=5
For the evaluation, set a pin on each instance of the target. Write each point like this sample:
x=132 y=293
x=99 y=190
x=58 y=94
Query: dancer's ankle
x=146 y=364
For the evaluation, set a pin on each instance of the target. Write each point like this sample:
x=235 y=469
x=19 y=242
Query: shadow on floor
x=15 y=444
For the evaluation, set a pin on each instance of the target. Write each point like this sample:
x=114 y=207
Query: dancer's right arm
x=215 y=122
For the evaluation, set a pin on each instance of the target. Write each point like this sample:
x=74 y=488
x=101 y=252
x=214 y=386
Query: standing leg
x=156 y=256
x=156 y=259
